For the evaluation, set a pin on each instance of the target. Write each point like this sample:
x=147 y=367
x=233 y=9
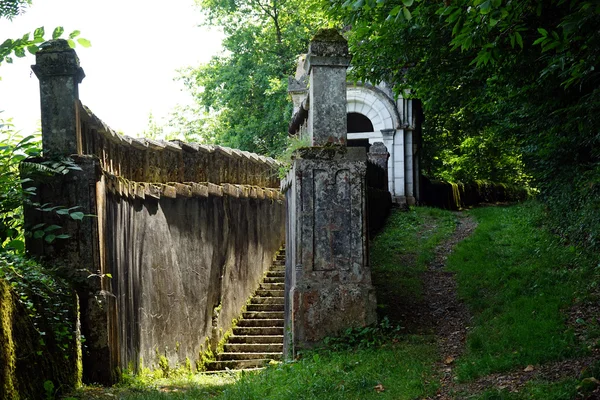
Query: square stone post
x=326 y=62
x=328 y=280
x=57 y=68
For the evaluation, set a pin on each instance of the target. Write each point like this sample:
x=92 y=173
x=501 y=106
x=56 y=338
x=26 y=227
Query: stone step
x=269 y=293
x=276 y=274
x=256 y=339
x=263 y=315
x=272 y=286
x=279 y=279
x=267 y=300
x=236 y=364
x=265 y=307
x=253 y=348
x=248 y=356
x=261 y=331
x=280 y=257
x=260 y=322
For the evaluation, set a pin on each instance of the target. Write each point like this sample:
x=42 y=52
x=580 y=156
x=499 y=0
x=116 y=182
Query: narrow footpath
x=448 y=316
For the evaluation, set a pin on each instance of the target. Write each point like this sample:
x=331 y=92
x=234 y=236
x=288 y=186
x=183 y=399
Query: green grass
x=535 y=390
x=400 y=254
x=398 y=367
x=517 y=280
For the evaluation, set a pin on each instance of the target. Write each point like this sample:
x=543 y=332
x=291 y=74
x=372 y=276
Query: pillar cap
x=56 y=58
x=328 y=48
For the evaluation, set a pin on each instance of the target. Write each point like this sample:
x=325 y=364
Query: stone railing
x=161 y=162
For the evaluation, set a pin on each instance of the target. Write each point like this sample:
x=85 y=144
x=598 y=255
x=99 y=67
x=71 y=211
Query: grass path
x=503 y=310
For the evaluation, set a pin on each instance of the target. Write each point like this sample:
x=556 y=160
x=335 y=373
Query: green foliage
x=12 y=195
x=510 y=92
x=244 y=91
x=400 y=254
x=517 y=278
x=11 y=8
x=29 y=43
x=47 y=298
x=365 y=337
x=536 y=390
x=16 y=191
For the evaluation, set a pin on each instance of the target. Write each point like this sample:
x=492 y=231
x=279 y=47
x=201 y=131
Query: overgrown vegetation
x=400 y=254
x=45 y=330
x=509 y=89
x=519 y=281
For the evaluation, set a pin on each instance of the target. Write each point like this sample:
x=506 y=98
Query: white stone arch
x=373 y=104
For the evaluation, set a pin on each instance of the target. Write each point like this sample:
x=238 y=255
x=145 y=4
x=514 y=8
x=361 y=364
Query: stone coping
x=141 y=190
x=249 y=168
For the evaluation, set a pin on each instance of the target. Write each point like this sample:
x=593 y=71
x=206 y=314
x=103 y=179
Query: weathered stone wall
x=183 y=269
x=146 y=160
x=179 y=236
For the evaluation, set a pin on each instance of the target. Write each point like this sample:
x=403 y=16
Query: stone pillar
x=408 y=167
x=379 y=155
x=326 y=62
x=59 y=73
x=388 y=141
x=328 y=279
x=57 y=68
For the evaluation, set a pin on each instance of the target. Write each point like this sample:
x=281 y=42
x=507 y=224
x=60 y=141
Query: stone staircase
x=258 y=336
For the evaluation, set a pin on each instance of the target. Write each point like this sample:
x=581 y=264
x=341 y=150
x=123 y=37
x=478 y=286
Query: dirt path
x=449 y=319
x=448 y=315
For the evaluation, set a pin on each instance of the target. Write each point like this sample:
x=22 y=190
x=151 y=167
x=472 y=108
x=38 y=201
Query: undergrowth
x=400 y=254
x=518 y=281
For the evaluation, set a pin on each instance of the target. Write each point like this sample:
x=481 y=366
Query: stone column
x=328 y=280
x=57 y=68
x=326 y=62
x=408 y=167
x=59 y=73
x=388 y=141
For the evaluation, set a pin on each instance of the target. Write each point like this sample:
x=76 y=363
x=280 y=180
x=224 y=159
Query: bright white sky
x=137 y=46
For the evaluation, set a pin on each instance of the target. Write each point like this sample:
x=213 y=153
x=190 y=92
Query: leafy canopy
x=244 y=90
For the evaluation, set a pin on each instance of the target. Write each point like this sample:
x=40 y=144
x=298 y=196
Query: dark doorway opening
x=358 y=123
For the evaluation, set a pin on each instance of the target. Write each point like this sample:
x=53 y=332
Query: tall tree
x=518 y=79
x=245 y=89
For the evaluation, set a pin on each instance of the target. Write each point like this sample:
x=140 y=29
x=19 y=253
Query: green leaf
x=9 y=60
x=84 y=42
x=71 y=43
x=50 y=238
x=408 y=3
x=77 y=215
x=20 y=52
x=519 y=39
x=406 y=13
x=58 y=31
x=38 y=234
x=74 y=34
x=63 y=236
x=39 y=32
x=52 y=228
x=32 y=49
x=17 y=245
x=485 y=7
x=395 y=11
x=543 y=32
